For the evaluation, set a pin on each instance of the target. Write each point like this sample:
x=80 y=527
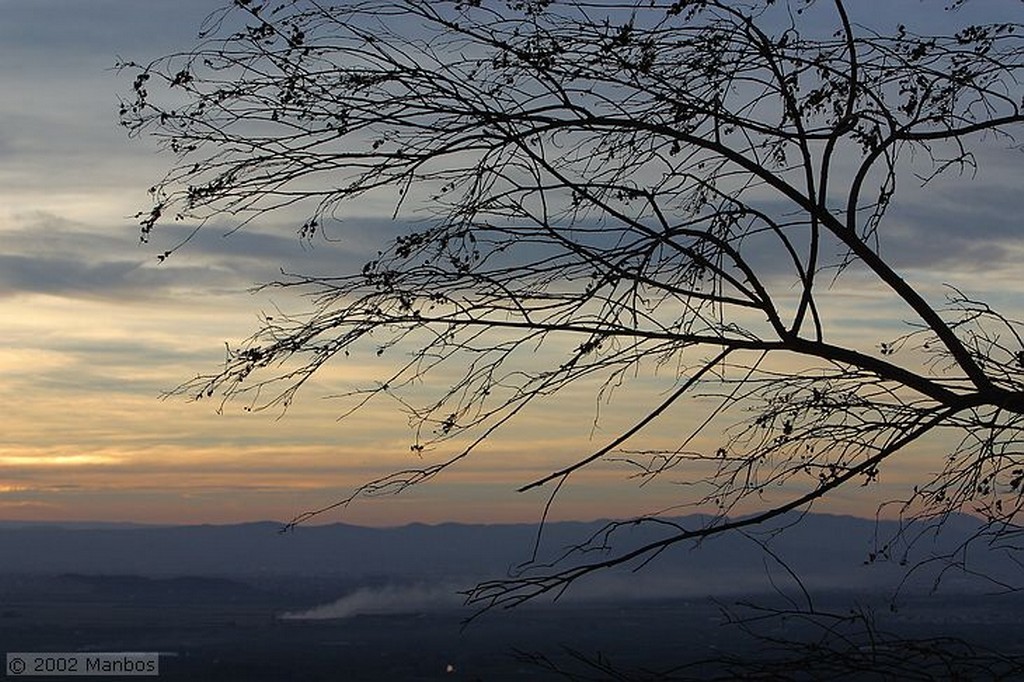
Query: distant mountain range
x=828 y=552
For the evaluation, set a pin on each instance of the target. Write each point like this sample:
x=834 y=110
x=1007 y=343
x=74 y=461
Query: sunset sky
x=93 y=330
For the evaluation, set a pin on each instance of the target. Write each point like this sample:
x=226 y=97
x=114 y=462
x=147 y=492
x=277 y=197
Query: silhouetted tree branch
x=605 y=190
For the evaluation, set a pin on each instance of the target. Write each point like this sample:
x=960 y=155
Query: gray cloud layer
x=44 y=253
x=60 y=136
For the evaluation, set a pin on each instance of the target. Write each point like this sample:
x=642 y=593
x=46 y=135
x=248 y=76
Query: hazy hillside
x=826 y=551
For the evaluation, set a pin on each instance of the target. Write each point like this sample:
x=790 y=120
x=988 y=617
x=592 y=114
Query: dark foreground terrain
x=220 y=629
x=221 y=602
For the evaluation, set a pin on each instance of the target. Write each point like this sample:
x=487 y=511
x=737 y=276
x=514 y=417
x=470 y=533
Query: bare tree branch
x=602 y=190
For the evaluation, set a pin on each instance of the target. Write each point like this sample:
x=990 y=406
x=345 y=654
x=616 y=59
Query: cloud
x=54 y=31
x=52 y=275
x=56 y=460
x=42 y=252
x=961 y=225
